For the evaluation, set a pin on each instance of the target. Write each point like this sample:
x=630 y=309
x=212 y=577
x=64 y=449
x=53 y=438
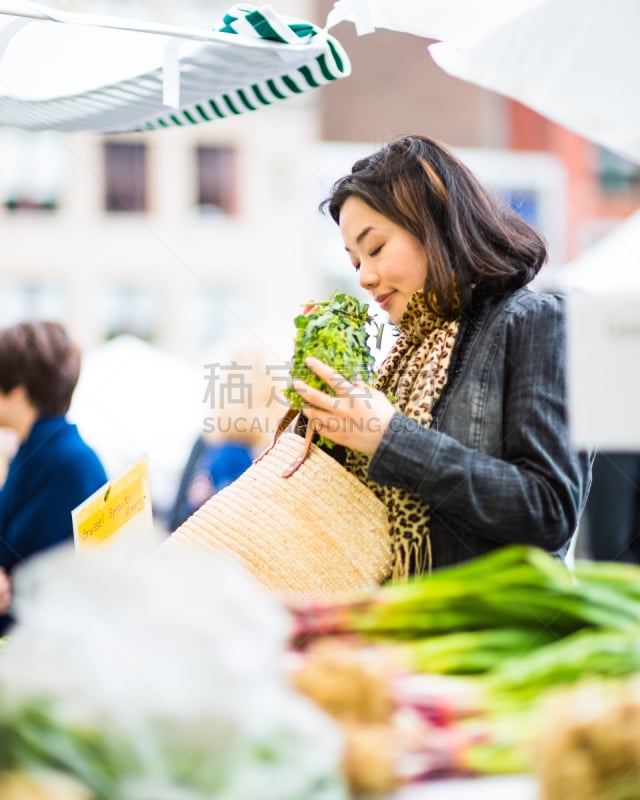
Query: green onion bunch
x=470 y=617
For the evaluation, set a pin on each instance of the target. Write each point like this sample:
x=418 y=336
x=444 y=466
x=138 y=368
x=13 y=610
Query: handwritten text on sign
x=113 y=507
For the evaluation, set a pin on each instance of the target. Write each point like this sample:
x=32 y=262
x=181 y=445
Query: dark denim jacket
x=495 y=465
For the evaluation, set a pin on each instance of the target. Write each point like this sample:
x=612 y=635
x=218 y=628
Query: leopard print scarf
x=412 y=375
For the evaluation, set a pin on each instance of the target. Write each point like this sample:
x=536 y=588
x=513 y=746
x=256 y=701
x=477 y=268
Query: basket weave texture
x=320 y=532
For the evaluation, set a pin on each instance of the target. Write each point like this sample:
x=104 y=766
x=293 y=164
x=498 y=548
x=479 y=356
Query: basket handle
x=284 y=423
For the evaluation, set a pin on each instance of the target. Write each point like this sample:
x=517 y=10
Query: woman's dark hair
x=471 y=237
x=41 y=357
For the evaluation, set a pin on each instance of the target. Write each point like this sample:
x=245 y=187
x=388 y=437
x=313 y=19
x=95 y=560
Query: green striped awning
x=107 y=74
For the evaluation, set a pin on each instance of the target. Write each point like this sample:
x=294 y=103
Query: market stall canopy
x=69 y=72
x=603 y=337
x=576 y=62
x=134 y=399
x=612 y=264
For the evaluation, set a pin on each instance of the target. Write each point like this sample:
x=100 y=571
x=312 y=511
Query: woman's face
x=391 y=263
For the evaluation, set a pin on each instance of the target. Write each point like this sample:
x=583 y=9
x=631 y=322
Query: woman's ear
x=20 y=400
x=18 y=393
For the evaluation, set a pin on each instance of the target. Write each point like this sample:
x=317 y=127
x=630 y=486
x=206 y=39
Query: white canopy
x=133 y=399
x=611 y=265
x=66 y=71
x=576 y=62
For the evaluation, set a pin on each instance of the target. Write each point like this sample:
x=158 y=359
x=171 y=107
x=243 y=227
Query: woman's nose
x=367 y=276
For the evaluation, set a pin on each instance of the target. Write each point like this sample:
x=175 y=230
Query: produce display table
x=353 y=693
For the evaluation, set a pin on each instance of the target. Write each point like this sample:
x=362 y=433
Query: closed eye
x=375 y=251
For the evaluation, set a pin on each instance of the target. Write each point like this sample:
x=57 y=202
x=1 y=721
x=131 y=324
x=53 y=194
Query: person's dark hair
x=471 y=237
x=41 y=357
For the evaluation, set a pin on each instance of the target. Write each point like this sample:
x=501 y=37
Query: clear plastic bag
x=159 y=676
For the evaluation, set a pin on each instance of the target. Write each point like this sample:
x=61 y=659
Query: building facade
x=178 y=236
x=182 y=236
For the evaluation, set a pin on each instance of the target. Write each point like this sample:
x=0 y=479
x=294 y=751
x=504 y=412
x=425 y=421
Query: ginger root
x=370 y=759
x=354 y=687
x=591 y=749
x=349 y=684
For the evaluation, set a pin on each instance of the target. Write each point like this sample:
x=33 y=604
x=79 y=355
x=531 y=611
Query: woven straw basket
x=320 y=532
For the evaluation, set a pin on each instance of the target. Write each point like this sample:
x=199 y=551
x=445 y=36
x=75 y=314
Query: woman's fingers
x=338 y=384
x=314 y=397
x=355 y=415
x=330 y=376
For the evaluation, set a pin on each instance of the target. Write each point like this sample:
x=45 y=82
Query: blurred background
x=161 y=250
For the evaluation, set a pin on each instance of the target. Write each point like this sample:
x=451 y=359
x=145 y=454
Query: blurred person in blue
x=212 y=465
x=243 y=413
x=53 y=469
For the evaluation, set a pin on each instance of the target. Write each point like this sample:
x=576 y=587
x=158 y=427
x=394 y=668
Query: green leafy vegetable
x=335 y=332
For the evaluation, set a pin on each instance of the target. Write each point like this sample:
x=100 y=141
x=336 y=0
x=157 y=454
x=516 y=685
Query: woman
x=237 y=385
x=53 y=469
x=465 y=436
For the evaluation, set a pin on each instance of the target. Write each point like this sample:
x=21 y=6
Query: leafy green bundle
x=333 y=331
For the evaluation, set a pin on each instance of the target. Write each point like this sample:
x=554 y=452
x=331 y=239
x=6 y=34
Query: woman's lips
x=383 y=299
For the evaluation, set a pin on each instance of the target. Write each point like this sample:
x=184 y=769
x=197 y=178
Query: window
x=33 y=299
x=125 y=176
x=130 y=309
x=525 y=202
x=32 y=170
x=215 y=312
x=616 y=173
x=216 y=169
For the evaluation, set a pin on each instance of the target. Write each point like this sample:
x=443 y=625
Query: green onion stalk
x=493 y=731
x=514 y=587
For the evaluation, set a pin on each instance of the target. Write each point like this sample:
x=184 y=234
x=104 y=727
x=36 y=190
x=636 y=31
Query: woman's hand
x=5 y=592
x=356 y=417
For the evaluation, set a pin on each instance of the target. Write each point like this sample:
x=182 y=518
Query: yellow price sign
x=121 y=504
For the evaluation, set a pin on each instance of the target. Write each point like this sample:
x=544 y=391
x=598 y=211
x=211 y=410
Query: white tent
x=133 y=399
x=574 y=61
x=611 y=265
x=162 y=76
